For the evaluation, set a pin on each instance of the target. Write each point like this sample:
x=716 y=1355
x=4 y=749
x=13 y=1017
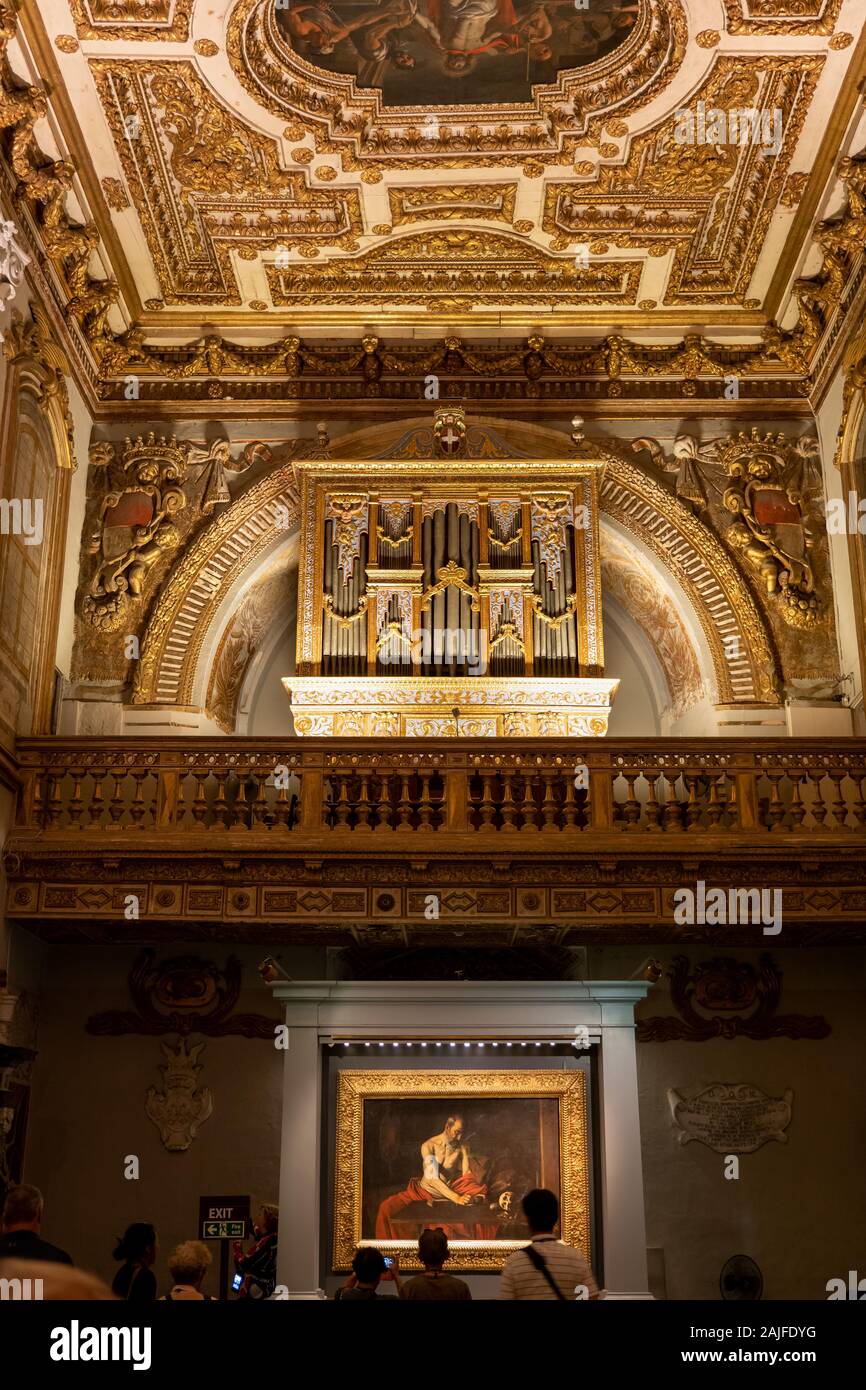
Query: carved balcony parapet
x=329 y=790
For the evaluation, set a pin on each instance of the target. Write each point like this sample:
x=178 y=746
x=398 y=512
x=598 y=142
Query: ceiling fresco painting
x=447 y=52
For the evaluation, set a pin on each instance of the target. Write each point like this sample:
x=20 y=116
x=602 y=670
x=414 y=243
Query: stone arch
x=229 y=552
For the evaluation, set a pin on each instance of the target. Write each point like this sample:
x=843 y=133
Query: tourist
x=368 y=1268
x=188 y=1263
x=46 y=1281
x=135 y=1280
x=22 y=1223
x=547 y=1268
x=259 y=1265
x=433 y=1285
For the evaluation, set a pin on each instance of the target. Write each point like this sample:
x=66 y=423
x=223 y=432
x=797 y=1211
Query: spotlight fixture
x=271 y=970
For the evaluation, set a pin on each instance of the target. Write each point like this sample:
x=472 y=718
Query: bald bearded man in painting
x=446 y=1165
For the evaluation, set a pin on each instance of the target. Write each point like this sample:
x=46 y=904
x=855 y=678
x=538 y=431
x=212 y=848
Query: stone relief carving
x=182 y=1106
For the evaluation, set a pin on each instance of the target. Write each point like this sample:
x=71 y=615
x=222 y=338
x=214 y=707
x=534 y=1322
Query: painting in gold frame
x=509 y=1130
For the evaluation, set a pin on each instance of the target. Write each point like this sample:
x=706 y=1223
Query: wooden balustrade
x=489 y=788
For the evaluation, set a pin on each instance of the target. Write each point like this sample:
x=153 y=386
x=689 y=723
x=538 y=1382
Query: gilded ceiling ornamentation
x=454 y=269
x=711 y=203
x=205 y=184
x=132 y=19
x=115 y=195
x=549 y=121
x=435 y=202
x=782 y=16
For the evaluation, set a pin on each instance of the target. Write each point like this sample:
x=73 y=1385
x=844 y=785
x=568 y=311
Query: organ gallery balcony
x=323 y=839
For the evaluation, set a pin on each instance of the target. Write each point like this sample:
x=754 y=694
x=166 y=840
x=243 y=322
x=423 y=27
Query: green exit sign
x=222 y=1230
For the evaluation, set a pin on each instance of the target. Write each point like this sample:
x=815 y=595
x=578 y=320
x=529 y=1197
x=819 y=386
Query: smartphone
x=389 y=1261
x=237 y=1281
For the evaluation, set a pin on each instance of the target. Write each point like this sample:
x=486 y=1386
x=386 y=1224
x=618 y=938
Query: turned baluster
x=361 y=804
x=425 y=807
x=96 y=798
x=260 y=810
x=715 y=806
x=115 y=805
x=839 y=808
x=858 y=805
x=378 y=799
x=404 y=809
x=652 y=809
x=284 y=805
x=199 y=805
x=136 y=806
x=242 y=811
x=549 y=804
x=488 y=806
x=694 y=809
x=220 y=805
x=776 y=806
x=569 y=805
x=509 y=807
x=76 y=804
x=817 y=807
x=673 y=815
x=630 y=810
x=797 y=809
x=342 y=805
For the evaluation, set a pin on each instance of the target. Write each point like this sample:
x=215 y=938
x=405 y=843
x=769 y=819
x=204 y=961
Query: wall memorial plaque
x=736 y=1119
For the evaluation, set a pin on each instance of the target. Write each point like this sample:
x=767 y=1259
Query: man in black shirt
x=22 y=1222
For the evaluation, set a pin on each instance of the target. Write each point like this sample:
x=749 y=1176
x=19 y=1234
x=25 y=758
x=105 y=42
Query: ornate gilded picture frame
x=457 y=1149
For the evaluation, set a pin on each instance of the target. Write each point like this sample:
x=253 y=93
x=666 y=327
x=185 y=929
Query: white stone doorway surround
x=320 y=1013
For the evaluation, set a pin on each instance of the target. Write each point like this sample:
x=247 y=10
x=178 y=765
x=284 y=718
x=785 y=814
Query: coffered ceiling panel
x=256 y=168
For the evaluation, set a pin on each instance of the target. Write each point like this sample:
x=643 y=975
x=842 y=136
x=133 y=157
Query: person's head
x=57 y=1283
x=138 y=1244
x=22 y=1210
x=268 y=1219
x=368 y=1265
x=433 y=1248
x=454 y=1128
x=189 y=1262
x=541 y=1210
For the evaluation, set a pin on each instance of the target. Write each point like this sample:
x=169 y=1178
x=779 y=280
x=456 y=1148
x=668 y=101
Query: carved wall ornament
x=551 y=516
x=181 y=1107
x=186 y=994
x=349 y=517
x=736 y=1119
x=727 y=998
x=449 y=430
x=769 y=526
x=13 y=262
x=451 y=576
x=142 y=494
x=769 y=483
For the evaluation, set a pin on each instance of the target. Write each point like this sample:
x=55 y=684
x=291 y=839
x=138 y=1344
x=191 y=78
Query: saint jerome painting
x=442 y=52
x=466 y=1168
x=459 y=1151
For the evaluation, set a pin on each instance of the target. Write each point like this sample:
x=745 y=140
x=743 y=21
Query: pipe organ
x=452 y=598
